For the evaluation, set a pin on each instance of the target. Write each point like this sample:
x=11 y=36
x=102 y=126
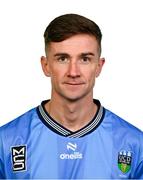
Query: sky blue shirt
x=35 y=146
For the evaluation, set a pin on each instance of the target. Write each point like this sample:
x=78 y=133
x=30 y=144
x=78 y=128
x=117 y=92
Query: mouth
x=74 y=83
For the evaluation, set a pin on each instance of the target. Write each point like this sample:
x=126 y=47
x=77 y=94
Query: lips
x=74 y=83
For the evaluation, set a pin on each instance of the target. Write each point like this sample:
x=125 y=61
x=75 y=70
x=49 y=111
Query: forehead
x=75 y=44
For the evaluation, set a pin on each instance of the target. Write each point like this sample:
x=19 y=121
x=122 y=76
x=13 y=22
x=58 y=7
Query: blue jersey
x=35 y=146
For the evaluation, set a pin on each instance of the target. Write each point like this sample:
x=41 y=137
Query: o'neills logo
x=74 y=155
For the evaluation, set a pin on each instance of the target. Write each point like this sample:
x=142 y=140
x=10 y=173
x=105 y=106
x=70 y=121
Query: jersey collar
x=61 y=130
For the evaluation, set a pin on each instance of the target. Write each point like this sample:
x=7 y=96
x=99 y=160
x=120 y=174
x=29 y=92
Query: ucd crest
x=124 y=161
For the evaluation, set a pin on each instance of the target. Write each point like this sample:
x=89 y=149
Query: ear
x=100 y=64
x=45 y=66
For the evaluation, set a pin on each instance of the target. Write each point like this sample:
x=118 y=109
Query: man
x=71 y=136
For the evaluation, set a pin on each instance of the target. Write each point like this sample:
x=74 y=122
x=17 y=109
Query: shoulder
x=126 y=137
x=19 y=124
x=122 y=128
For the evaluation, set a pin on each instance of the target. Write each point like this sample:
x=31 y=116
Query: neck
x=73 y=115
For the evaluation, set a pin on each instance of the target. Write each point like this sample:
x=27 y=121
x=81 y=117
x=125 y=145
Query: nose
x=73 y=70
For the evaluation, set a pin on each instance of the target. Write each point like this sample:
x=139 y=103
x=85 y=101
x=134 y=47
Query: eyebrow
x=61 y=54
x=82 y=54
x=87 y=54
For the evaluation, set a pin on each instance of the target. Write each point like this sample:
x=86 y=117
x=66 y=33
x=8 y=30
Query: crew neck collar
x=61 y=130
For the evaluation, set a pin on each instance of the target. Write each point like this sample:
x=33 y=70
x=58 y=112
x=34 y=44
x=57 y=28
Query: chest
x=48 y=156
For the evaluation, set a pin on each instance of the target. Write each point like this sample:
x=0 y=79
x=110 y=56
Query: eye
x=85 y=59
x=62 y=59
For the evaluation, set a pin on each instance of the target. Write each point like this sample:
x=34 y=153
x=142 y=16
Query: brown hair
x=68 y=25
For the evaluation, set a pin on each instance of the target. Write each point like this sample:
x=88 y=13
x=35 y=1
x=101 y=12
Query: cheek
x=92 y=78
x=89 y=73
x=56 y=75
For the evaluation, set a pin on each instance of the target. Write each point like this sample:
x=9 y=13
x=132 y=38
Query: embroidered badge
x=124 y=161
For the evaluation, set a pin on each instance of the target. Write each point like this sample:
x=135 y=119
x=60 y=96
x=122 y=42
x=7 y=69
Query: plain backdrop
x=22 y=83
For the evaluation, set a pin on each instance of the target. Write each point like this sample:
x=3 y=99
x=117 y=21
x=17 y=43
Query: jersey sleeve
x=2 y=176
x=139 y=170
x=1 y=170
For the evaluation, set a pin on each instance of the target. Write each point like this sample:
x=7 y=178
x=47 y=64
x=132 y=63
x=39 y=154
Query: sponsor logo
x=71 y=146
x=19 y=158
x=73 y=154
x=124 y=161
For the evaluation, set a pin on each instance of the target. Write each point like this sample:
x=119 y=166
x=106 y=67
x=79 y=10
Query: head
x=68 y=25
x=73 y=48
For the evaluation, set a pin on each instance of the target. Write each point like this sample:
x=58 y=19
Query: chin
x=73 y=98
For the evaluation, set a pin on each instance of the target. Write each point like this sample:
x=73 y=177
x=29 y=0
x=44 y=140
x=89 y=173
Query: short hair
x=68 y=25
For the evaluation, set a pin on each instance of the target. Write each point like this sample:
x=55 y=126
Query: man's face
x=73 y=66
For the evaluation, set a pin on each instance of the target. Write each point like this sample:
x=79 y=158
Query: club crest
x=124 y=161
